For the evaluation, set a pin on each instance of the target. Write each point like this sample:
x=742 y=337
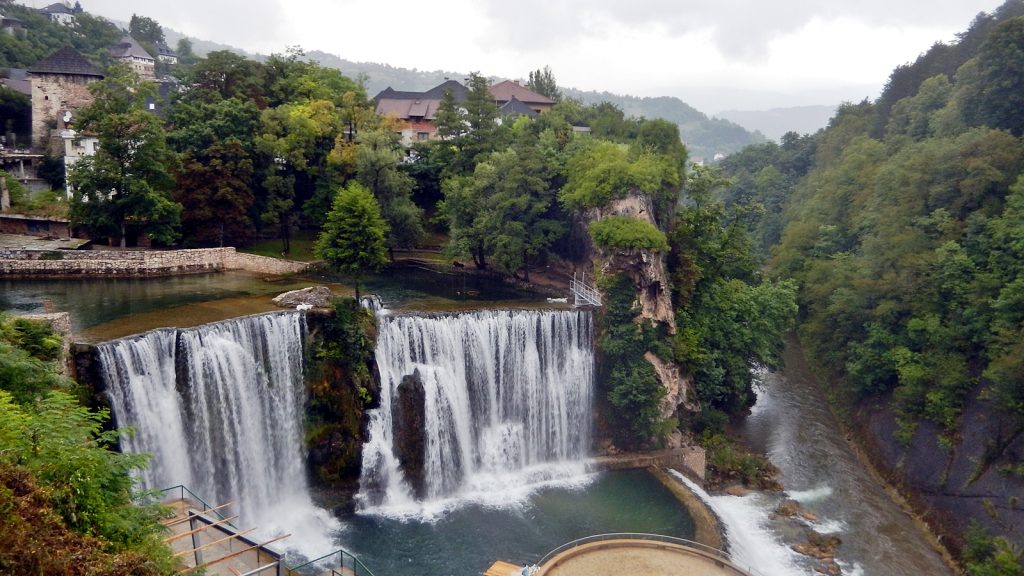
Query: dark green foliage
x=341 y=389
x=1000 y=88
x=146 y=30
x=378 y=160
x=51 y=169
x=65 y=447
x=91 y=35
x=124 y=189
x=627 y=233
x=988 y=556
x=28 y=350
x=15 y=118
x=631 y=385
x=543 y=82
x=506 y=210
x=730 y=321
x=353 y=238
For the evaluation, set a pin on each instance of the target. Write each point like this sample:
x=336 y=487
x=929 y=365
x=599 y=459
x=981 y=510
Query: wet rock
x=314 y=296
x=408 y=424
x=736 y=490
x=820 y=546
x=828 y=567
x=788 y=508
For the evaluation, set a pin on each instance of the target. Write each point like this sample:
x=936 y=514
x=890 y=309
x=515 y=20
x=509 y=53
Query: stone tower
x=59 y=89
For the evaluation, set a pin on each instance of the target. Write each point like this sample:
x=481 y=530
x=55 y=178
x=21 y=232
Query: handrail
x=206 y=507
x=644 y=536
x=358 y=567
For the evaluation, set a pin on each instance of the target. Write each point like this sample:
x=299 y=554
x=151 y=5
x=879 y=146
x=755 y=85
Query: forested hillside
x=903 y=223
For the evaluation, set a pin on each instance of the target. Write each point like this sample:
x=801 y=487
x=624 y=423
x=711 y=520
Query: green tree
x=146 y=30
x=378 y=158
x=543 y=82
x=124 y=189
x=352 y=241
x=1000 y=91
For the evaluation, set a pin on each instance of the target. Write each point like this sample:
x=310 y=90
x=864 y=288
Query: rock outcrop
x=648 y=272
x=314 y=296
x=644 y=267
x=408 y=424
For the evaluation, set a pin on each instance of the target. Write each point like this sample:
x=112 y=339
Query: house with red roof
x=416 y=111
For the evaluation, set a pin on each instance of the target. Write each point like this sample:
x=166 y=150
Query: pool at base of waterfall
x=467 y=539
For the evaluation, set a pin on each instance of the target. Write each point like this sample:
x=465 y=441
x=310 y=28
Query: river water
x=791 y=423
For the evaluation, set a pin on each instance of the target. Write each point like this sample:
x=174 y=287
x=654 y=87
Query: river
x=791 y=423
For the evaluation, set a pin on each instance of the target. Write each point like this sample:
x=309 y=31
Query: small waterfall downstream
x=220 y=409
x=506 y=401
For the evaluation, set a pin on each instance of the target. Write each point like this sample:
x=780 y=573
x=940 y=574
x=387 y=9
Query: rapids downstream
x=792 y=424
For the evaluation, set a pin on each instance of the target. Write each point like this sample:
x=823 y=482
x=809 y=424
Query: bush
x=627 y=233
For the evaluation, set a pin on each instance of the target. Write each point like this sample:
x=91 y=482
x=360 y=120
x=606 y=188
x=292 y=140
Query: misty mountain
x=777 y=121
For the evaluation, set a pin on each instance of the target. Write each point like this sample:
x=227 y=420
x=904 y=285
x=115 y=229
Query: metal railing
x=696 y=546
x=584 y=295
x=340 y=562
x=182 y=490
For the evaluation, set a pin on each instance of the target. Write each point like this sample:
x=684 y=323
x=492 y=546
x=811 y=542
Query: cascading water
x=506 y=400
x=220 y=409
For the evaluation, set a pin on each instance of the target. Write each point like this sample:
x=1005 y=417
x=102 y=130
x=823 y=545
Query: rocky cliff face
x=645 y=268
x=648 y=272
x=952 y=484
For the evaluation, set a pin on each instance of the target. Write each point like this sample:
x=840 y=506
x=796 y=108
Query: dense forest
x=903 y=223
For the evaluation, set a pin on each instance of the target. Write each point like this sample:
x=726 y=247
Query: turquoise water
x=467 y=540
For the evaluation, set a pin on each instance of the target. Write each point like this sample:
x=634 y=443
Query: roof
x=23 y=86
x=516 y=108
x=165 y=51
x=66 y=61
x=56 y=8
x=128 y=48
x=436 y=93
x=407 y=108
x=505 y=91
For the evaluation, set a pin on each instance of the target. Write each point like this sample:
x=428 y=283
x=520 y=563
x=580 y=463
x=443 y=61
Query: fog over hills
x=777 y=121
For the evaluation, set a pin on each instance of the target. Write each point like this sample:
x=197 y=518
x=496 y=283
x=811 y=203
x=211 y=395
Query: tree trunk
x=285 y=235
x=526 y=267
x=124 y=235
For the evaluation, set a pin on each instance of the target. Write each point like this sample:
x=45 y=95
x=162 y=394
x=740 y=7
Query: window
x=422 y=136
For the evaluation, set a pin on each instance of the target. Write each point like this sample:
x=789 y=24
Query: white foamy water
x=507 y=408
x=220 y=407
x=751 y=541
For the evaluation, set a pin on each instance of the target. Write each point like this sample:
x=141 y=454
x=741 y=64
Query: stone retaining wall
x=60 y=263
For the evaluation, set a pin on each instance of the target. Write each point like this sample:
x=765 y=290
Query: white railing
x=584 y=295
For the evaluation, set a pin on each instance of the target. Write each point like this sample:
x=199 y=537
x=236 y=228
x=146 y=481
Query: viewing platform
x=627 y=553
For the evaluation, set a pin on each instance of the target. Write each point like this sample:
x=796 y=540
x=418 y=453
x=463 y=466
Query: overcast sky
x=714 y=54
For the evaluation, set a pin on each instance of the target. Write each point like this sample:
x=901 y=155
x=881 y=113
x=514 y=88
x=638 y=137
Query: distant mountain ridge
x=777 y=121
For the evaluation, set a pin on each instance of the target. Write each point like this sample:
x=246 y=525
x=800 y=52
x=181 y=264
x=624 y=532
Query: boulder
x=314 y=296
x=408 y=423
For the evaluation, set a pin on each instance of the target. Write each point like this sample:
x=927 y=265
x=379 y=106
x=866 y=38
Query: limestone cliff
x=648 y=272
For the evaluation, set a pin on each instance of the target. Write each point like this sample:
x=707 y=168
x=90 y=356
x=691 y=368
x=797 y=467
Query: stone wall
x=60 y=263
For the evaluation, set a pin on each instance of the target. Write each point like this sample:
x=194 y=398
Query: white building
x=59 y=13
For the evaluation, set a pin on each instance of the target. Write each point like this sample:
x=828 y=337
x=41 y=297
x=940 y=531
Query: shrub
x=627 y=233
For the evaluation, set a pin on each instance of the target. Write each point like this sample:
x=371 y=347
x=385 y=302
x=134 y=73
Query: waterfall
x=220 y=408
x=506 y=404
x=751 y=542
